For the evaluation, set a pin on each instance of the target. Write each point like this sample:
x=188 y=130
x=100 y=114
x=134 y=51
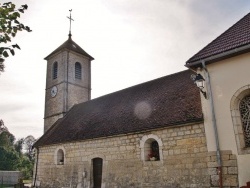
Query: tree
x=28 y=143
x=9 y=26
x=8 y=156
x=12 y=155
x=8 y=159
x=19 y=145
x=6 y=138
x=2 y=127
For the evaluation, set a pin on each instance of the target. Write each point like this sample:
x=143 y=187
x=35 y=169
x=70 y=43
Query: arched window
x=55 y=70
x=245 y=118
x=240 y=112
x=78 y=70
x=151 y=148
x=60 y=157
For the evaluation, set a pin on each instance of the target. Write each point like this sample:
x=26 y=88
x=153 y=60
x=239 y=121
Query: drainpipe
x=218 y=153
x=34 y=183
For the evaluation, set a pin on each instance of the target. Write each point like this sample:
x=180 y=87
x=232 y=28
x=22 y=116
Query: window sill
x=153 y=163
x=244 y=151
x=60 y=165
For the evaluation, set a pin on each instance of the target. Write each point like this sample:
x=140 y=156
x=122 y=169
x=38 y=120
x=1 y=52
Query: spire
x=70 y=19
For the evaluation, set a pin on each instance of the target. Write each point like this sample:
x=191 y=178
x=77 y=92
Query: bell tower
x=68 y=80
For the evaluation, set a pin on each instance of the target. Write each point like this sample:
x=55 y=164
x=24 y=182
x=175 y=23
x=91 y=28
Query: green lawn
x=4 y=186
x=27 y=181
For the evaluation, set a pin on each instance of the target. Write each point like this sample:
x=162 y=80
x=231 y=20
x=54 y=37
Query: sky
x=132 y=41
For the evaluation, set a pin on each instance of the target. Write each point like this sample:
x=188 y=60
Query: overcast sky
x=132 y=41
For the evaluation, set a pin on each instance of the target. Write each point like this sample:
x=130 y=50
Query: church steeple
x=72 y=46
x=68 y=80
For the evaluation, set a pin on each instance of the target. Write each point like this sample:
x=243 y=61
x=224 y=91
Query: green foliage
x=8 y=155
x=9 y=26
x=28 y=143
x=6 y=139
x=12 y=156
x=25 y=166
x=8 y=159
x=19 y=146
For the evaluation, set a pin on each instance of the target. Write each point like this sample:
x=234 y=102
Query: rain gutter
x=37 y=154
x=210 y=98
x=219 y=56
x=202 y=64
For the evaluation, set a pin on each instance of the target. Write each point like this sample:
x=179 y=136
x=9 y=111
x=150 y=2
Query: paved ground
x=27 y=184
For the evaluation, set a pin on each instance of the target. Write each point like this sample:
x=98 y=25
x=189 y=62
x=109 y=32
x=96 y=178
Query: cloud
x=131 y=41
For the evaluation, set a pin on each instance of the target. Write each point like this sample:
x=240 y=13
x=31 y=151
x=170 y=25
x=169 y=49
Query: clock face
x=53 y=91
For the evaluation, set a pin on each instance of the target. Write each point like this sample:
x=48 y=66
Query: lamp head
x=199 y=81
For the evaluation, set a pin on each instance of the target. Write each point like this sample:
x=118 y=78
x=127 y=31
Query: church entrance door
x=97 y=172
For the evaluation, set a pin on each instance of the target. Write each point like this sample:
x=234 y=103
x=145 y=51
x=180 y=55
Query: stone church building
x=165 y=133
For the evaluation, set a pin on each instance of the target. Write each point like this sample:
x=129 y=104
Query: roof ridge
x=137 y=85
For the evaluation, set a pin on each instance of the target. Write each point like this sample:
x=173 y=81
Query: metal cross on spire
x=70 y=19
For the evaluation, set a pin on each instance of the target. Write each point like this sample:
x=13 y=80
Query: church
x=187 y=129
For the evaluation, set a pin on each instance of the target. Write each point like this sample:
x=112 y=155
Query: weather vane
x=70 y=19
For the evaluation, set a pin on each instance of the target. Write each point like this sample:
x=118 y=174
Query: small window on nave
x=55 y=70
x=151 y=148
x=60 y=157
x=78 y=71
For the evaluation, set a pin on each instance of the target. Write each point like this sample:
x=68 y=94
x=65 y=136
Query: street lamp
x=199 y=81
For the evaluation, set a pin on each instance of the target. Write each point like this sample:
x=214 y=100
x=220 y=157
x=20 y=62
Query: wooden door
x=97 y=172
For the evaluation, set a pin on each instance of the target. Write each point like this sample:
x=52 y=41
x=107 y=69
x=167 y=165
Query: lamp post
x=199 y=81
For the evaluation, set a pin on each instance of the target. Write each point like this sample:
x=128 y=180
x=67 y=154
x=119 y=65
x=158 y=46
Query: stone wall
x=9 y=177
x=229 y=169
x=183 y=163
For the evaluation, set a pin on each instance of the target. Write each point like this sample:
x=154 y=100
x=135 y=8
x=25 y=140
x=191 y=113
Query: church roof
x=235 y=40
x=163 y=102
x=70 y=45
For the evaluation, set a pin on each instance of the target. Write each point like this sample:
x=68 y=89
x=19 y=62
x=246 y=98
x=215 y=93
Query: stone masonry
x=229 y=169
x=185 y=162
x=78 y=89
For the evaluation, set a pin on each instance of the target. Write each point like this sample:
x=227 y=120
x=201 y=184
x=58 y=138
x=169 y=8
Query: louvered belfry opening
x=55 y=70
x=78 y=70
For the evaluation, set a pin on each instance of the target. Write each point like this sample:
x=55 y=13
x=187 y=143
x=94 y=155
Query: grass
x=27 y=181
x=5 y=185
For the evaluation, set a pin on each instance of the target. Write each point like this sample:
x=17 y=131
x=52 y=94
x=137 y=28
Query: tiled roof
x=236 y=36
x=70 y=45
x=167 y=101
